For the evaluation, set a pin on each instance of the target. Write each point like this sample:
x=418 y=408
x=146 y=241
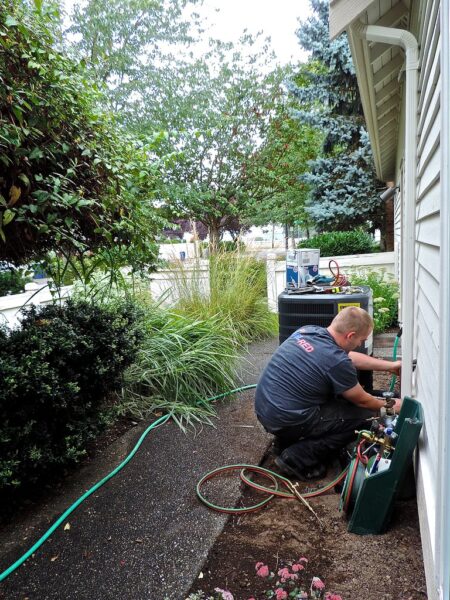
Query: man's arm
x=369 y=363
x=358 y=396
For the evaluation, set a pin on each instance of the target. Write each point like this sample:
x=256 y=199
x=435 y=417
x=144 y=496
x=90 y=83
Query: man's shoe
x=311 y=474
x=277 y=446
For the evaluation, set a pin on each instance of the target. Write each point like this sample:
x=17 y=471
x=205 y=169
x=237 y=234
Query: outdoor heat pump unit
x=294 y=311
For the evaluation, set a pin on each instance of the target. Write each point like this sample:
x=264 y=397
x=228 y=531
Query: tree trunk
x=195 y=238
x=286 y=236
x=293 y=237
x=214 y=237
x=273 y=236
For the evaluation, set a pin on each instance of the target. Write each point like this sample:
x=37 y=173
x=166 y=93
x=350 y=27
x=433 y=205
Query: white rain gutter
x=405 y=39
x=443 y=535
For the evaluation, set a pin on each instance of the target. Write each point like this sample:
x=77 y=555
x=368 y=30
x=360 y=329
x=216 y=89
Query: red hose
x=339 y=279
x=276 y=491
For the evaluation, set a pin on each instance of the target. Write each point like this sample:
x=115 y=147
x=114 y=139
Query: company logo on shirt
x=305 y=345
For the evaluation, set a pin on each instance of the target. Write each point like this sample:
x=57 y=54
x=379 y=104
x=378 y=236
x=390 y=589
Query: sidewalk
x=144 y=535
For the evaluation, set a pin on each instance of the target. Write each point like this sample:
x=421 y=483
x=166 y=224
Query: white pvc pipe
x=405 y=39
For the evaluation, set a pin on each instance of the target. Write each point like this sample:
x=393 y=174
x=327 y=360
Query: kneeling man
x=309 y=396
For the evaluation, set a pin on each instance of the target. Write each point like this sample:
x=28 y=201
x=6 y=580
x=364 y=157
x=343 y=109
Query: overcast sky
x=277 y=18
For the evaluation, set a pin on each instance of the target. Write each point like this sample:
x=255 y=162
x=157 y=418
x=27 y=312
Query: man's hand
x=395 y=367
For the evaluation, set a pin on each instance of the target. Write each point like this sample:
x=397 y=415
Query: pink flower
x=303 y=559
x=251 y=598
x=332 y=596
x=296 y=567
x=258 y=564
x=263 y=571
x=317 y=583
x=225 y=594
x=280 y=594
x=284 y=574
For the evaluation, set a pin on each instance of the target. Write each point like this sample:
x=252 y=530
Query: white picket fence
x=163 y=284
x=166 y=282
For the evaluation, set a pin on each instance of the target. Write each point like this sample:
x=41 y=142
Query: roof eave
x=367 y=93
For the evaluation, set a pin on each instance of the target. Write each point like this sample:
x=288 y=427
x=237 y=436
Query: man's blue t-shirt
x=307 y=370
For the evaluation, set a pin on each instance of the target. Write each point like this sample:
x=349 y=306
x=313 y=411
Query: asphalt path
x=143 y=535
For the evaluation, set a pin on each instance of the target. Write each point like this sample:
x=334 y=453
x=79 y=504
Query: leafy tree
x=181 y=226
x=217 y=121
x=342 y=180
x=70 y=180
x=235 y=227
x=276 y=169
x=126 y=44
x=216 y=111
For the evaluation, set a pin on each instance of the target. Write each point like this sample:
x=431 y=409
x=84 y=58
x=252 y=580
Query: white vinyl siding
x=430 y=302
x=428 y=259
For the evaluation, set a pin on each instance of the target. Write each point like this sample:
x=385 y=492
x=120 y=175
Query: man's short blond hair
x=354 y=319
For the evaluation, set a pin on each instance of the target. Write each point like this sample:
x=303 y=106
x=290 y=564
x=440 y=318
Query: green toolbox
x=373 y=485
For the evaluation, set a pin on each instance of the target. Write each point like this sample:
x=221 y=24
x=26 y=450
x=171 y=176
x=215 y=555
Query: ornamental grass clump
x=182 y=362
x=237 y=295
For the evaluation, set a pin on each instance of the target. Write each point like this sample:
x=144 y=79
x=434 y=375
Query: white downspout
x=405 y=39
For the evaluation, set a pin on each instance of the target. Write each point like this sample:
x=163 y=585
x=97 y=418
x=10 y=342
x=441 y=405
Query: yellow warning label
x=342 y=305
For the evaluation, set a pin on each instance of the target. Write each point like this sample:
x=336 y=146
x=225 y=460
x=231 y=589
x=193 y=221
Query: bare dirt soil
x=372 y=567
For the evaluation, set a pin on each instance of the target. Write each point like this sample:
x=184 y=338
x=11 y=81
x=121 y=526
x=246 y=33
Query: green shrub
x=385 y=296
x=12 y=279
x=57 y=371
x=182 y=362
x=341 y=243
x=63 y=271
x=238 y=296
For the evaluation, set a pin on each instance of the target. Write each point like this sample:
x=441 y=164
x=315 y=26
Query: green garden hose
x=82 y=498
x=95 y=487
x=394 y=356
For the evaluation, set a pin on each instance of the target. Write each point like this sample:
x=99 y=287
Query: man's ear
x=350 y=335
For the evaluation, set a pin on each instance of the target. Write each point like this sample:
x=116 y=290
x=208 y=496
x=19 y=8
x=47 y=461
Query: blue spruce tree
x=344 y=188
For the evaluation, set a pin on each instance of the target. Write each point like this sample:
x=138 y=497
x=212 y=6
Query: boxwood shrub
x=56 y=372
x=341 y=243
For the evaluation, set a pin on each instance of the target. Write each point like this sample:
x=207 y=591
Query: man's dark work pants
x=330 y=430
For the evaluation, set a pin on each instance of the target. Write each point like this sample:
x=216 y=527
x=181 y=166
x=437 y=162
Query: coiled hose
x=276 y=478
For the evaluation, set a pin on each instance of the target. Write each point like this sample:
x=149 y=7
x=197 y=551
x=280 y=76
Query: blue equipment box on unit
x=301 y=265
